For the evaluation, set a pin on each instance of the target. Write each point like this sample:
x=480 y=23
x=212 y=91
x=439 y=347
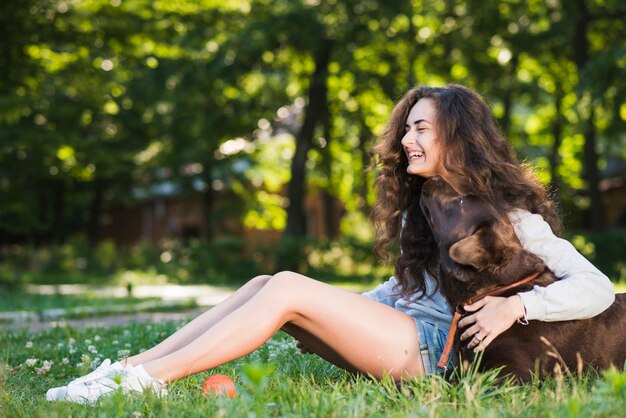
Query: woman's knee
x=286 y=288
x=286 y=275
x=260 y=280
x=288 y=281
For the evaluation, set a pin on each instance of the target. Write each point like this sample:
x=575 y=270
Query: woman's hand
x=492 y=316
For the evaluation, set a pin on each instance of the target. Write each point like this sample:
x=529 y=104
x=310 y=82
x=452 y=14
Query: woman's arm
x=582 y=291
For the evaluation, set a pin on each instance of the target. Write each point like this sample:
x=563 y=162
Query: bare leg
x=202 y=323
x=366 y=335
x=317 y=346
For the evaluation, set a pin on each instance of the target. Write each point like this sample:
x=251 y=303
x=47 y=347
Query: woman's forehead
x=423 y=110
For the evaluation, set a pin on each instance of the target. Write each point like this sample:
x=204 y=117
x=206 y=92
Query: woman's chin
x=419 y=171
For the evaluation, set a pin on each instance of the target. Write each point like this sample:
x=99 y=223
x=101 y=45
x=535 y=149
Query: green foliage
x=224 y=261
x=256 y=375
x=229 y=261
x=605 y=251
x=216 y=262
x=101 y=98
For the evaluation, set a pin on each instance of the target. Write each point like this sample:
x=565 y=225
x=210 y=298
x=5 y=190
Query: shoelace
x=96 y=374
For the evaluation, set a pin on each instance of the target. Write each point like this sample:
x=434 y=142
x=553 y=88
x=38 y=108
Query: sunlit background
x=193 y=141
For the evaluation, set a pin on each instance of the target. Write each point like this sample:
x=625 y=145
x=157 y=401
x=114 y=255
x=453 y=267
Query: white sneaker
x=127 y=379
x=58 y=393
x=100 y=371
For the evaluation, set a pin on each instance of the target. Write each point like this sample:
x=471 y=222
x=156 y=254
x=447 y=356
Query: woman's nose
x=408 y=139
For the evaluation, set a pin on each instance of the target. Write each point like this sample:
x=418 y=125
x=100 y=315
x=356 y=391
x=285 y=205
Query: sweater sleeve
x=582 y=291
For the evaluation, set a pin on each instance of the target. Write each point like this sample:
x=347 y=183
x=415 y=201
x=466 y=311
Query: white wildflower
x=31 y=362
x=115 y=342
x=65 y=360
x=29 y=344
x=45 y=368
x=123 y=353
x=87 y=341
x=92 y=349
x=71 y=341
x=95 y=363
x=97 y=338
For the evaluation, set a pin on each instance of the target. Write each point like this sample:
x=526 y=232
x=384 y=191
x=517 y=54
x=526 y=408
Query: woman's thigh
x=369 y=336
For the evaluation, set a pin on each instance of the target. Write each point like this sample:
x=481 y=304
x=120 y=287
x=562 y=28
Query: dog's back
x=541 y=347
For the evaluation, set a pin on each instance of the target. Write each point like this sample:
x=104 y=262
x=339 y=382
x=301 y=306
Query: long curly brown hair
x=472 y=147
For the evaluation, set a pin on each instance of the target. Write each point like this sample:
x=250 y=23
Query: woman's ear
x=472 y=251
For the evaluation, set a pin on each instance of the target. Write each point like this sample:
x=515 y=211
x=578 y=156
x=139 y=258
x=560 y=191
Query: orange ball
x=219 y=384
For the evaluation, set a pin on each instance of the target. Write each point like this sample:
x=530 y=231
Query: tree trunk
x=57 y=233
x=208 y=200
x=42 y=230
x=590 y=158
x=93 y=231
x=331 y=224
x=592 y=174
x=414 y=51
x=363 y=187
x=557 y=132
x=296 y=220
x=507 y=100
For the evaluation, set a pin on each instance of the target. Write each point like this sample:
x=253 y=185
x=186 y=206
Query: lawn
x=40 y=308
x=276 y=381
x=38 y=302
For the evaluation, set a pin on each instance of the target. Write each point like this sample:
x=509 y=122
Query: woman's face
x=420 y=142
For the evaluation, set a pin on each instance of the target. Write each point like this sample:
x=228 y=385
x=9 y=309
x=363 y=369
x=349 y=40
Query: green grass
x=38 y=303
x=87 y=305
x=277 y=380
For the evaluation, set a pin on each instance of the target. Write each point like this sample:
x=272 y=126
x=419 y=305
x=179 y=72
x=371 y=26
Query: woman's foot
x=132 y=379
x=99 y=372
x=58 y=393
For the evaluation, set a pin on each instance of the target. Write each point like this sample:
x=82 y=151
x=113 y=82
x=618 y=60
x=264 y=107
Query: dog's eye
x=460 y=201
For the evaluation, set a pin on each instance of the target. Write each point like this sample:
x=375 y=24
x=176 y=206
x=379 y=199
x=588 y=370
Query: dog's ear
x=477 y=250
x=470 y=251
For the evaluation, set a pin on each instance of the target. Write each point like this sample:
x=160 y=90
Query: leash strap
x=454 y=325
x=447 y=348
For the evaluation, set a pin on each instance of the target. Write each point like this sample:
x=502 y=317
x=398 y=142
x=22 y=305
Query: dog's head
x=464 y=226
x=477 y=244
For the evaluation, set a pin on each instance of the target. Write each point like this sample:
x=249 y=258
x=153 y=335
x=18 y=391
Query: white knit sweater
x=582 y=291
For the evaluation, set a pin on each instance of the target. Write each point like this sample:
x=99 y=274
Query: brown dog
x=480 y=252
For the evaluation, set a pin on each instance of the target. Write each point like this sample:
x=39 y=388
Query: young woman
x=399 y=328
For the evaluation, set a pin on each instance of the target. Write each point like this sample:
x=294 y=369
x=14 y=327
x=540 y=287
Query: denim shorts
x=432 y=340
